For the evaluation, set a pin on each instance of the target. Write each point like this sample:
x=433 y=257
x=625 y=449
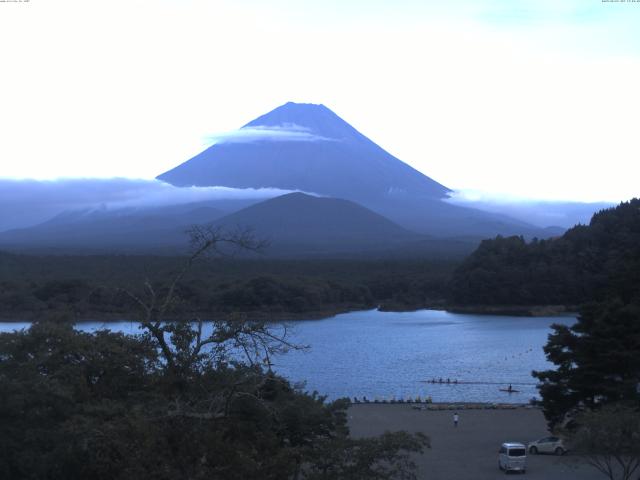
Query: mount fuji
x=307 y=147
x=353 y=198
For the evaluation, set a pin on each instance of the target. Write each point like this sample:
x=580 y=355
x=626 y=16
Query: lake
x=394 y=354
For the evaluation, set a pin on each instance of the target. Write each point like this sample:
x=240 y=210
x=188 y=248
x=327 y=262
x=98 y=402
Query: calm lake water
x=394 y=354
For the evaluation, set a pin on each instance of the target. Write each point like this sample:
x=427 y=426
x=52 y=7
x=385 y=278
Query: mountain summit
x=314 y=118
x=305 y=147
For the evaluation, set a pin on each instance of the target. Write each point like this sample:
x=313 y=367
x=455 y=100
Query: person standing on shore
x=455 y=419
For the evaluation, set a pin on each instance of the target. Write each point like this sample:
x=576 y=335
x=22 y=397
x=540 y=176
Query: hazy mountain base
x=295 y=225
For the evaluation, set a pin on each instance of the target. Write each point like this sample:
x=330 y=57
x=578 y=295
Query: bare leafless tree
x=256 y=340
x=186 y=344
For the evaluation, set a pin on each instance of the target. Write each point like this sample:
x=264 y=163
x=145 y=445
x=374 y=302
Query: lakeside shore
x=258 y=316
x=508 y=310
x=516 y=310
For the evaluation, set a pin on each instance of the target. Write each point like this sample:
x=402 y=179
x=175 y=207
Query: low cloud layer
x=288 y=132
x=28 y=202
x=542 y=213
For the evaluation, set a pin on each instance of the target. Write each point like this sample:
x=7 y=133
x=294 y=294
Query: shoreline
x=516 y=310
x=257 y=316
x=531 y=311
x=439 y=406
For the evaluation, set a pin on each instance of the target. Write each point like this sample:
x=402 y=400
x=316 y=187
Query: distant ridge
x=301 y=225
x=295 y=225
x=120 y=230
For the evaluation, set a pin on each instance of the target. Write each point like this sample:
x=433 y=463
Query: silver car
x=547 y=445
x=512 y=456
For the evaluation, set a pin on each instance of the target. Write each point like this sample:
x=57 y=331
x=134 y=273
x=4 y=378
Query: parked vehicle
x=512 y=457
x=547 y=445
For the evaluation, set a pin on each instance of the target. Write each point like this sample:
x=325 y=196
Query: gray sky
x=514 y=98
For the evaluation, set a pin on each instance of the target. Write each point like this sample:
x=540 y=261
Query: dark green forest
x=588 y=263
x=87 y=287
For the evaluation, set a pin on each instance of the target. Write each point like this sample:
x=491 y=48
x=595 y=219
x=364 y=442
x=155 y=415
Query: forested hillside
x=588 y=263
x=92 y=287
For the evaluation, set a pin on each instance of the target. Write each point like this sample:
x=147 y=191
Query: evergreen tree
x=597 y=361
x=588 y=263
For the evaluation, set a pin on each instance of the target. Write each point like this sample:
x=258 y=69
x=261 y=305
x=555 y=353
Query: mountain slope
x=309 y=148
x=301 y=225
x=333 y=160
x=297 y=225
x=301 y=218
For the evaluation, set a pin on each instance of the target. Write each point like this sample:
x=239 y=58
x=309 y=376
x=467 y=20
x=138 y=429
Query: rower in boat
x=509 y=389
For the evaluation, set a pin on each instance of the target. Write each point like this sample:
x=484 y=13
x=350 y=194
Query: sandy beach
x=469 y=451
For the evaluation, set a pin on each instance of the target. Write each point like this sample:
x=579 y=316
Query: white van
x=512 y=456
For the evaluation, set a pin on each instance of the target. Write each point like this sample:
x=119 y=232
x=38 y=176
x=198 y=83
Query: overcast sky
x=523 y=98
